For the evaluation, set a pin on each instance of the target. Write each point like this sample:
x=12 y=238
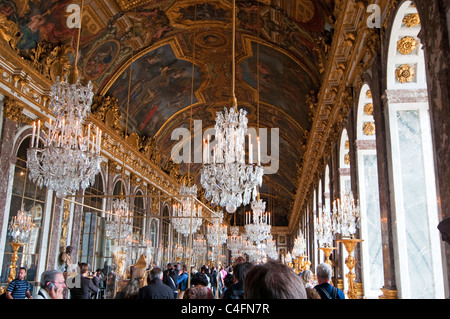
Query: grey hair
x=48 y=276
x=324 y=271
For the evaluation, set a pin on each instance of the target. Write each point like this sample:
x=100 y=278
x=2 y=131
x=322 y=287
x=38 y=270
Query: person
x=228 y=282
x=205 y=271
x=52 y=285
x=20 y=287
x=444 y=228
x=167 y=273
x=182 y=280
x=130 y=291
x=85 y=286
x=199 y=289
x=273 y=280
x=155 y=289
x=324 y=288
x=214 y=279
x=307 y=277
x=236 y=291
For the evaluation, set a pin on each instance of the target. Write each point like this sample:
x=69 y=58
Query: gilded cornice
x=352 y=42
x=26 y=81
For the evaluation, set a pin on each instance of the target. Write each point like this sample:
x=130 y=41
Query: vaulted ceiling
x=181 y=55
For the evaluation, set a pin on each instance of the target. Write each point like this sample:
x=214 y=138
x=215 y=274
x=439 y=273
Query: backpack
x=324 y=292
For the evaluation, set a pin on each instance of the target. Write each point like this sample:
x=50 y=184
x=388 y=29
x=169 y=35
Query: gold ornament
x=406 y=45
x=368 y=109
x=411 y=20
x=369 y=128
x=369 y=94
x=405 y=73
x=347 y=159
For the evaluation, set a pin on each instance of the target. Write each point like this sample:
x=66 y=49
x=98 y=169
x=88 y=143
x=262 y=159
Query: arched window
x=372 y=258
x=344 y=164
x=27 y=195
x=420 y=273
x=138 y=217
x=91 y=238
x=165 y=233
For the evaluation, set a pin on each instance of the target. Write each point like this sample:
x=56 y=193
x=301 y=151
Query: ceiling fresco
x=180 y=53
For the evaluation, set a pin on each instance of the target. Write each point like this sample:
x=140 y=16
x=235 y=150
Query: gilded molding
x=369 y=128
x=368 y=109
x=411 y=20
x=405 y=73
x=406 y=45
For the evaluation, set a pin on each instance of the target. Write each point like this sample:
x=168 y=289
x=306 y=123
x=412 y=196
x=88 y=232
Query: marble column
x=7 y=157
x=55 y=231
x=435 y=38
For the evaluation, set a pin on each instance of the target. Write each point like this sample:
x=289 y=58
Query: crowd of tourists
x=243 y=280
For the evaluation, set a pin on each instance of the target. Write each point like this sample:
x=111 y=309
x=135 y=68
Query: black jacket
x=156 y=290
x=235 y=291
x=83 y=292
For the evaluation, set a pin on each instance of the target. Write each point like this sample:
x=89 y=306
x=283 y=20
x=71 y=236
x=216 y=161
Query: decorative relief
x=13 y=110
x=406 y=45
x=65 y=224
x=347 y=159
x=368 y=109
x=369 y=128
x=369 y=94
x=405 y=73
x=411 y=20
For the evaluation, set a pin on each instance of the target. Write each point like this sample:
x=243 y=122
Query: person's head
x=273 y=280
x=69 y=250
x=131 y=290
x=155 y=273
x=240 y=270
x=169 y=266
x=22 y=273
x=199 y=279
x=83 y=268
x=307 y=276
x=229 y=280
x=323 y=273
x=444 y=228
x=53 y=280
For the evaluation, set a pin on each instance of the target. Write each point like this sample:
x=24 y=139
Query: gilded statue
x=65 y=258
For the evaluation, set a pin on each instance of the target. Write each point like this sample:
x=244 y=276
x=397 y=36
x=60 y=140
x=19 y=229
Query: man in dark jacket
x=236 y=291
x=155 y=289
x=83 y=288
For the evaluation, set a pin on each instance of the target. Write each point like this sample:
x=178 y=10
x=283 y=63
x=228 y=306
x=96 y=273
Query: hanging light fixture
x=346 y=216
x=234 y=242
x=70 y=157
x=324 y=228
x=217 y=232
x=187 y=216
x=257 y=225
x=227 y=179
x=299 y=248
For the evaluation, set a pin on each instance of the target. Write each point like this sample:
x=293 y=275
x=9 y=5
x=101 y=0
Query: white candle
x=207 y=150
x=49 y=131
x=99 y=141
x=250 y=150
x=38 y=132
x=259 y=152
x=88 y=136
x=34 y=133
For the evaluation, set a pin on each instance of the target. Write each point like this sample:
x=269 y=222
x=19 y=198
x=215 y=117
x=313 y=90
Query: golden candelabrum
x=350 y=261
x=301 y=264
x=14 y=257
x=327 y=252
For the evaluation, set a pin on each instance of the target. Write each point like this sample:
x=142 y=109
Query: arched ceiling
x=174 y=46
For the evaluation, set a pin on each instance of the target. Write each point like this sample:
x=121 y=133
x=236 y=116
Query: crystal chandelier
x=299 y=248
x=70 y=157
x=346 y=216
x=216 y=232
x=271 y=248
x=20 y=226
x=234 y=241
x=324 y=228
x=227 y=179
x=119 y=223
x=199 y=247
x=182 y=212
x=258 y=224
